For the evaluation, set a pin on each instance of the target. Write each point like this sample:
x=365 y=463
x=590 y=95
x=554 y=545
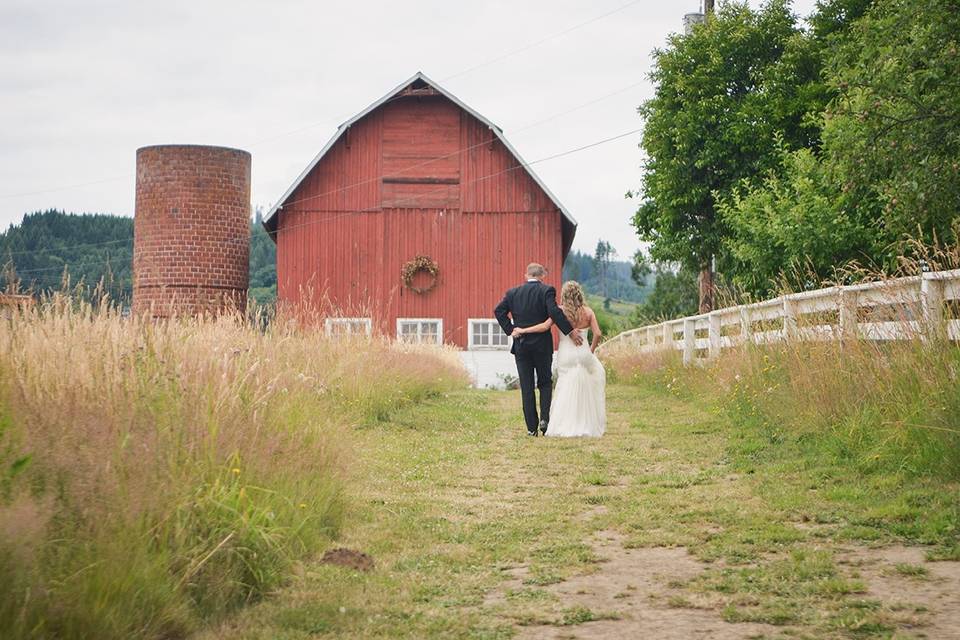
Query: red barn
x=417 y=173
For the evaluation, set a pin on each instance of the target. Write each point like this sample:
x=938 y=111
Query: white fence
x=889 y=310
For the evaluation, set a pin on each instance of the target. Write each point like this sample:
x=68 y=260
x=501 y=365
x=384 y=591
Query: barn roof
x=270 y=222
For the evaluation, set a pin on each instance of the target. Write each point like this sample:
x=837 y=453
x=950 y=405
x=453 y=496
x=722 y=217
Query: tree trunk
x=707 y=289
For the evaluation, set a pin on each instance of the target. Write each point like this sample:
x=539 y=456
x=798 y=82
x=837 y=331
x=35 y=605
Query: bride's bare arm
x=537 y=328
x=595 y=332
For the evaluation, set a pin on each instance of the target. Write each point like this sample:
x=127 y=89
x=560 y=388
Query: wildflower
x=303 y=505
x=236 y=471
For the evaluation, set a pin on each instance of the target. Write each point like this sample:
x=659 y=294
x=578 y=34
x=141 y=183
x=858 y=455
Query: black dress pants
x=541 y=363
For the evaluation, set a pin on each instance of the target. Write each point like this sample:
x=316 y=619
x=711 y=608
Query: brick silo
x=191 y=248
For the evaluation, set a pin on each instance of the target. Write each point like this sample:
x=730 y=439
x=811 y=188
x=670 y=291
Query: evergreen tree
x=49 y=248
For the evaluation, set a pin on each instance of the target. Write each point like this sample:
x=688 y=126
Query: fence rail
x=890 y=310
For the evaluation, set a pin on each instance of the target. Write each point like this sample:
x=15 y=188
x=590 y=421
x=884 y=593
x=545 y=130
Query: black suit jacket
x=525 y=306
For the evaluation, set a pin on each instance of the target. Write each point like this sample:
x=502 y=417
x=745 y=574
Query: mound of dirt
x=357 y=560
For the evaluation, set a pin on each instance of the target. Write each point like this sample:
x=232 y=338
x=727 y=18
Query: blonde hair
x=571 y=299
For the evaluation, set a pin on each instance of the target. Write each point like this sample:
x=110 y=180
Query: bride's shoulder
x=586 y=316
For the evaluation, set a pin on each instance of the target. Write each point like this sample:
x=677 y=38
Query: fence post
x=689 y=340
x=789 y=318
x=746 y=329
x=651 y=338
x=848 y=314
x=715 y=329
x=667 y=336
x=931 y=297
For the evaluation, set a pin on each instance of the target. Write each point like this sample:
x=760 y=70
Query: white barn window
x=420 y=330
x=348 y=326
x=486 y=334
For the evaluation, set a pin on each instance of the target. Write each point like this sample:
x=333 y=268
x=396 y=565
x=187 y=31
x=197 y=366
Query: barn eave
x=570 y=224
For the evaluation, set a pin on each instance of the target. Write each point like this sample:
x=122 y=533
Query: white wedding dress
x=579 y=406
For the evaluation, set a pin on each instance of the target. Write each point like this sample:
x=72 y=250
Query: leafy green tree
x=889 y=164
x=674 y=295
x=834 y=18
x=640 y=269
x=796 y=227
x=893 y=133
x=724 y=95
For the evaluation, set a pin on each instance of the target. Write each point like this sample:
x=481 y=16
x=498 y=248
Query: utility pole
x=706 y=287
x=707 y=281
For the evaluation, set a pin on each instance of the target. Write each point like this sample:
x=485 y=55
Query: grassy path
x=673 y=525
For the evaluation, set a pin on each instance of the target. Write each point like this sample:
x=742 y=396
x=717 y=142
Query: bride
x=578 y=407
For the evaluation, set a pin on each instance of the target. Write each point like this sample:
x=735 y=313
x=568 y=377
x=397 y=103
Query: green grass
x=912 y=570
x=188 y=478
x=615 y=319
x=155 y=477
x=579 y=615
x=618 y=308
x=452 y=497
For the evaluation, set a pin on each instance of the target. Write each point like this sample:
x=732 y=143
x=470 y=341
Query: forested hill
x=100 y=246
x=95 y=247
x=604 y=278
x=91 y=247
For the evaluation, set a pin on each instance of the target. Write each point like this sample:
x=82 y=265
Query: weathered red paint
x=418 y=175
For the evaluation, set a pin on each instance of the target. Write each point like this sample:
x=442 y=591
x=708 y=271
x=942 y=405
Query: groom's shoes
x=532 y=433
x=543 y=427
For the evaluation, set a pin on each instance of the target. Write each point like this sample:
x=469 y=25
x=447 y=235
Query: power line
x=451 y=154
x=86 y=245
x=463 y=72
x=408 y=168
x=65 y=187
x=521 y=165
x=286 y=134
x=539 y=42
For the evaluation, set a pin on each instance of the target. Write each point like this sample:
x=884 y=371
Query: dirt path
x=632 y=594
x=627 y=592
x=644 y=591
x=670 y=526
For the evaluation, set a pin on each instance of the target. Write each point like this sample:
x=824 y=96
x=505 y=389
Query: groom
x=525 y=306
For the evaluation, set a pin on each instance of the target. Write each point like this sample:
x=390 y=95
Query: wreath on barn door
x=420 y=264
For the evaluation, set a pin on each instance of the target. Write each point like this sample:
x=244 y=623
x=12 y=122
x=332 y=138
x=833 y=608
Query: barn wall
x=447 y=191
x=493 y=179
x=356 y=260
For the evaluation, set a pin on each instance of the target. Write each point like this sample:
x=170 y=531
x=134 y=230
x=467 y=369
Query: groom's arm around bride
x=531 y=304
x=525 y=306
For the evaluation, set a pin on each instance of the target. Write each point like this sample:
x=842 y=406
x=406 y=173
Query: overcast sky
x=83 y=84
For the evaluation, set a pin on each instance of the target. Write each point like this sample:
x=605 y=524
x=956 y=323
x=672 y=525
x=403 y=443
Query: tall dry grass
x=155 y=475
x=890 y=406
x=884 y=407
